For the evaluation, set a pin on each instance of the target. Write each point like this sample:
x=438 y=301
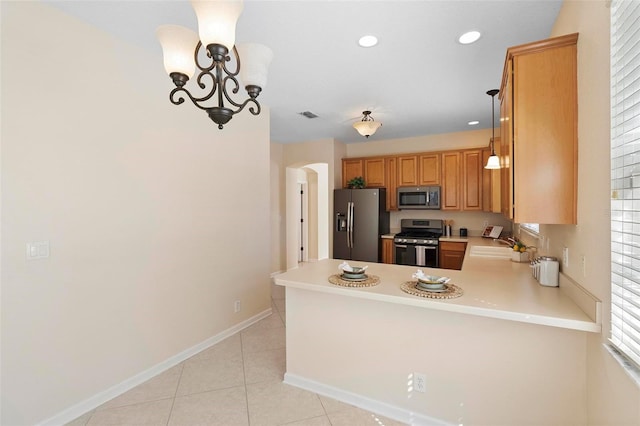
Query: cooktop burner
x=419 y=231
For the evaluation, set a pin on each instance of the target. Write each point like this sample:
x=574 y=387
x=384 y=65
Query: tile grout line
x=175 y=394
x=244 y=380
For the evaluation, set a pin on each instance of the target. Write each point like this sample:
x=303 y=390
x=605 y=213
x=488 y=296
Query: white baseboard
x=97 y=400
x=381 y=408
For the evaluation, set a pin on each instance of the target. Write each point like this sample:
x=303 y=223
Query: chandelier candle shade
x=182 y=49
x=493 y=162
x=367 y=126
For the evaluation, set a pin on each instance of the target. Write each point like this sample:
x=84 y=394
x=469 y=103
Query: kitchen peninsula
x=508 y=351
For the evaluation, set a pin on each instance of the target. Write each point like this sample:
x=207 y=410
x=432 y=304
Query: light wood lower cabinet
x=452 y=254
x=387 y=250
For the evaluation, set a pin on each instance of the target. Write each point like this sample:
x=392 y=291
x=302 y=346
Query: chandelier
x=217 y=78
x=367 y=126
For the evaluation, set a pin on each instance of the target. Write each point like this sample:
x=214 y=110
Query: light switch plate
x=37 y=250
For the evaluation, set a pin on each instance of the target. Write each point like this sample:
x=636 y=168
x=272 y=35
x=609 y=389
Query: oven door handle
x=430 y=247
x=401 y=246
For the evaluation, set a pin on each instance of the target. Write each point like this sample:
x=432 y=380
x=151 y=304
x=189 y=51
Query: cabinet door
x=374 y=173
x=387 y=250
x=429 y=169
x=351 y=168
x=472 y=180
x=452 y=254
x=450 y=197
x=545 y=136
x=391 y=170
x=408 y=170
x=506 y=146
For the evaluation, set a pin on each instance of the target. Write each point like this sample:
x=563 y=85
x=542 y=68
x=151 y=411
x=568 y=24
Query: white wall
x=140 y=200
x=613 y=398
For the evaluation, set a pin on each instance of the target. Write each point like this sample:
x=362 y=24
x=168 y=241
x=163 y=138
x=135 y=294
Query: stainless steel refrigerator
x=360 y=218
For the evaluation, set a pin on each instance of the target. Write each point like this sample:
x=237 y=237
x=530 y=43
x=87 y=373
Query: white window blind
x=625 y=177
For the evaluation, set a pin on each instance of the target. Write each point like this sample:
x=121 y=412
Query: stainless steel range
x=417 y=242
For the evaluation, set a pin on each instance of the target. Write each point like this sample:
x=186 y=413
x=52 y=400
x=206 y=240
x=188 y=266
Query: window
x=625 y=178
x=533 y=227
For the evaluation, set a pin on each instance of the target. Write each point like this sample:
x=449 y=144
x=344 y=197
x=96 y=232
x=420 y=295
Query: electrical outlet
x=485 y=224
x=420 y=382
x=236 y=306
x=584 y=266
x=565 y=257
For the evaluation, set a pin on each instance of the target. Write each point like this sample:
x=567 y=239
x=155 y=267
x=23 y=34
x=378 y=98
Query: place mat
x=370 y=281
x=452 y=291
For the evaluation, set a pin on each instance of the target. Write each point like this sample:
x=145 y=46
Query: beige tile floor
x=235 y=382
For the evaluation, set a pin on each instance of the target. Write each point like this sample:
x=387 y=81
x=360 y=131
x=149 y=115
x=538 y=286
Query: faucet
x=509 y=241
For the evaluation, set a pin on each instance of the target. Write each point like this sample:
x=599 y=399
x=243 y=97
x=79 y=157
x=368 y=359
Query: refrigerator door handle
x=351 y=225
x=348 y=220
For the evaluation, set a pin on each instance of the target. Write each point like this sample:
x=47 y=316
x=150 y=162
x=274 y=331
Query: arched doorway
x=312 y=230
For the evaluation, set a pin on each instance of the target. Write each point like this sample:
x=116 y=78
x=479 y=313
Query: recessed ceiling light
x=473 y=123
x=469 y=37
x=368 y=41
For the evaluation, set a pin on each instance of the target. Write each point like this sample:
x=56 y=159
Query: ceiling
x=417 y=81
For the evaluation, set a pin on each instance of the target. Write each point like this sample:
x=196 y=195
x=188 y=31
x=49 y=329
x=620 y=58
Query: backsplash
x=473 y=221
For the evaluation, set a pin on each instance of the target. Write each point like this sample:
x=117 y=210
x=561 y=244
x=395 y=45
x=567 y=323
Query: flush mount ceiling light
x=473 y=123
x=368 y=41
x=367 y=126
x=493 y=162
x=469 y=37
x=217 y=26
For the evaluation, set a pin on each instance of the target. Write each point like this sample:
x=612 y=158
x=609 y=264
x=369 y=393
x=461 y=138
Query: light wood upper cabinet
x=450 y=193
x=351 y=168
x=391 y=170
x=429 y=169
x=539 y=102
x=408 y=170
x=472 y=180
x=374 y=172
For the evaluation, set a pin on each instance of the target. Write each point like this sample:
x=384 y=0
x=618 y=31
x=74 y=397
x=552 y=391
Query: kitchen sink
x=490 y=251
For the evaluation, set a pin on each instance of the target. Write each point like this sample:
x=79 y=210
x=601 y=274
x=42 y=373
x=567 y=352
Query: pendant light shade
x=217 y=21
x=493 y=162
x=177 y=45
x=367 y=126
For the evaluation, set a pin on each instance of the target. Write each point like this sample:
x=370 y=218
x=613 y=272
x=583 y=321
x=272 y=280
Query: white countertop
x=493 y=287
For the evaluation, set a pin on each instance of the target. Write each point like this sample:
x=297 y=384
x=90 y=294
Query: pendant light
x=494 y=161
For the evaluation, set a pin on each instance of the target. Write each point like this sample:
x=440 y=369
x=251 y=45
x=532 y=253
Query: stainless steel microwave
x=419 y=197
